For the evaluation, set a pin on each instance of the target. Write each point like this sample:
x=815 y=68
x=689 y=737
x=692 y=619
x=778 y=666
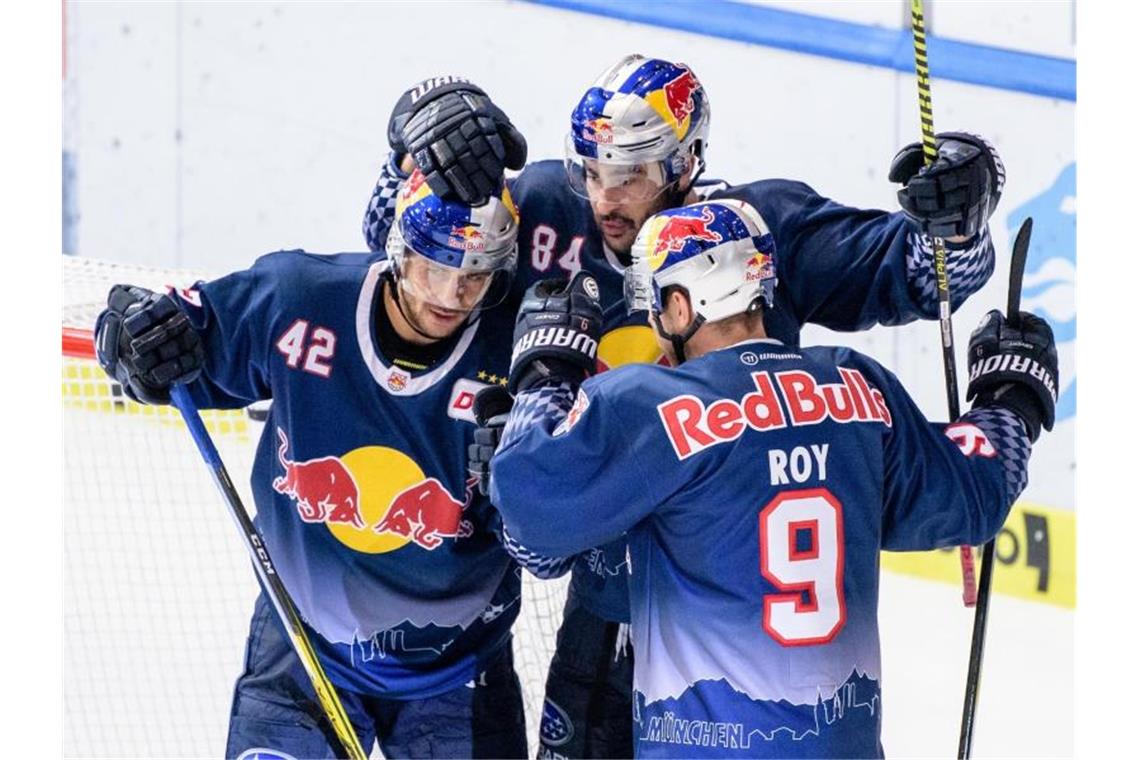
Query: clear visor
x=614 y=182
x=451 y=288
x=640 y=290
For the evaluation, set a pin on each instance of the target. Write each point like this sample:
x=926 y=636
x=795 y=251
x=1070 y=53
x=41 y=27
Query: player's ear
x=679 y=308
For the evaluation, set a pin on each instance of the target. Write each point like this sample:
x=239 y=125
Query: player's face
x=437 y=299
x=622 y=198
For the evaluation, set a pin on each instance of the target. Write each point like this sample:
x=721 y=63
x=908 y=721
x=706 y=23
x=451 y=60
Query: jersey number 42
x=801 y=554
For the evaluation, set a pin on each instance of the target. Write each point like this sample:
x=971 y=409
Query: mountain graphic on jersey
x=405 y=639
x=713 y=719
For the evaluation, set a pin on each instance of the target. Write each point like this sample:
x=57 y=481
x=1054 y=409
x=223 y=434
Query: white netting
x=157 y=588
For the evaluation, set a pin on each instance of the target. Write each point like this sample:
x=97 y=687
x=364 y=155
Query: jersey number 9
x=801 y=554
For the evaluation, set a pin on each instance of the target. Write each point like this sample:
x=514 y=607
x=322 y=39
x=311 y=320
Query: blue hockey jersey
x=756 y=486
x=840 y=267
x=360 y=476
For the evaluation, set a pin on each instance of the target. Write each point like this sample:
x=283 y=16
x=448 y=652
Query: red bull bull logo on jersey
x=323 y=488
x=398 y=380
x=373 y=499
x=427 y=514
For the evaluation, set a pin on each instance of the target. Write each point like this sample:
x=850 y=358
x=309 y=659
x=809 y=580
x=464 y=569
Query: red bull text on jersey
x=755 y=486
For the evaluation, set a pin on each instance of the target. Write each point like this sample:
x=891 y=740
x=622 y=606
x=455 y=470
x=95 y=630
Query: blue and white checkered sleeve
x=1008 y=435
x=537 y=565
x=381 y=209
x=968 y=265
x=544 y=405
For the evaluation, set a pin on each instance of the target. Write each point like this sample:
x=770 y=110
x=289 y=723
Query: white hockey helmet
x=721 y=252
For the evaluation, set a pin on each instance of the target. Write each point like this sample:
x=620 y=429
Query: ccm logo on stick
x=692 y=427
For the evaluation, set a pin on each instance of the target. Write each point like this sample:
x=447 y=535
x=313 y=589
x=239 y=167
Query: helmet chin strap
x=696 y=175
x=678 y=341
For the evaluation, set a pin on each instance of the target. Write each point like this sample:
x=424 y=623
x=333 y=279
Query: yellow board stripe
x=87 y=387
x=1035 y=552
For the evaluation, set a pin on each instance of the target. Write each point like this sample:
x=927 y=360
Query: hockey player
x=360 y=484
x=637 y=145
x=756 y=484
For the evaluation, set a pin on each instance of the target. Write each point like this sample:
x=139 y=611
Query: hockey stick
x=930 y=155
x=981 y=612
x=270 y=580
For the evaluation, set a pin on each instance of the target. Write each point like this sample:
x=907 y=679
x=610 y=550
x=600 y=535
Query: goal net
x=158 y=589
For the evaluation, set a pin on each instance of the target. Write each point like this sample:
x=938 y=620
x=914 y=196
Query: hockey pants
x=276 y=711
x=588 y=712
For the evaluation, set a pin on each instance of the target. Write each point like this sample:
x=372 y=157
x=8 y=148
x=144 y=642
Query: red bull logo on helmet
x=679 y=95
x=599 y=130
x=467 y=238
x=670 y=234
x=414 y=189
x=412 y=184
x=759 y=267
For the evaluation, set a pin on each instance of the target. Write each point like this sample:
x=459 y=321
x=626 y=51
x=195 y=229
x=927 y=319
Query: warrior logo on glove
x=556 y=333
x=1011 y=362
x=1015 y=366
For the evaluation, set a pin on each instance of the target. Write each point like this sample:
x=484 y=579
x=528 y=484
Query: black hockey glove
x=956 y=195
x=556 y=333
x=492 y=405
x=458 y=138
x=1015 y=367
x=146 y=343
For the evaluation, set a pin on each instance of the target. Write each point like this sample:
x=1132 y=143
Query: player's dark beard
x=614 y=216
x=623 y=255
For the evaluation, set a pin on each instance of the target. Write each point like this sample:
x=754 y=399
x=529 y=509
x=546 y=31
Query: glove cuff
x=1020 y=400
x=416 y=97
x=547 y=370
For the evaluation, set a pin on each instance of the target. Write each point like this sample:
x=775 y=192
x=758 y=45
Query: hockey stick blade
x=1017 y=272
